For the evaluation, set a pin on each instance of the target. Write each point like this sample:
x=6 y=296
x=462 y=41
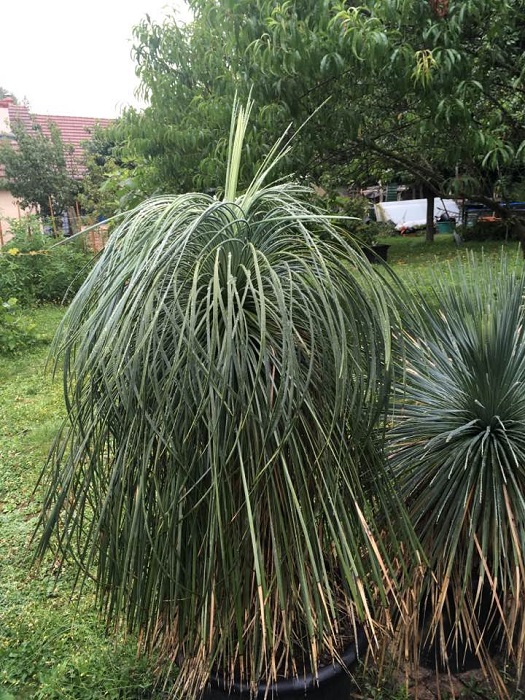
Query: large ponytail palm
x=225 y=366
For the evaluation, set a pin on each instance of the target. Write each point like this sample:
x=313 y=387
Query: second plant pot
x=376 y=253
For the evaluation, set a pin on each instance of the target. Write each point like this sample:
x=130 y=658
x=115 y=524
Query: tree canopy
x=108 y=184
x=36 y=171
x=426 y=90
x=7 y=93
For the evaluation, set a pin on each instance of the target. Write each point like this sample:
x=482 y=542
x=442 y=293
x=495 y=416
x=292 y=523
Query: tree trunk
x=430 y=217
x=519 y=227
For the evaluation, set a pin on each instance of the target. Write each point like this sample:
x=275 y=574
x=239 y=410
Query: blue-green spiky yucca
x=458 y=449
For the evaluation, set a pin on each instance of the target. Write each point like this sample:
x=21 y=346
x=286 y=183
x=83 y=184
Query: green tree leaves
x=36 y=171
x=419 y=92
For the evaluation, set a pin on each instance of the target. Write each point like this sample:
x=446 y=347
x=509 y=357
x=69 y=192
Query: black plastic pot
x=377 y=253
x=460 y=655
x=332 y=682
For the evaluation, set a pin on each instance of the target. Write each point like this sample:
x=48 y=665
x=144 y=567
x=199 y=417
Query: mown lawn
x=51 y=647
x=416 y=262
x=415 y=251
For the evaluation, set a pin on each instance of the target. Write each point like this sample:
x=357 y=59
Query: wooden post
x=76 y=210
x=52 y=216
x=430 y=227
x=1 y=236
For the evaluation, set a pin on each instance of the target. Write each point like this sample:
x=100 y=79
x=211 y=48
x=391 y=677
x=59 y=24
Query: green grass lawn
x=50 y=645
x=419 y=264
x=412 y=256
x=415 y=251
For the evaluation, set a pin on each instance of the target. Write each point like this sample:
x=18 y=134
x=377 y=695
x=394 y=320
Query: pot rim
x=299 y=684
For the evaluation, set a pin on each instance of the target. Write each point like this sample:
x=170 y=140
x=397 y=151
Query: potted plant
x=356 y=221
x=458 y=451
x=218 y=472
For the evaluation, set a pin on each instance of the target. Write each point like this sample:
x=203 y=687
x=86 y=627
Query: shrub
x=16 y=331
x=34 y=268
x=495 y=230
x=26 y=226
x=487 y=231
x=225 y=370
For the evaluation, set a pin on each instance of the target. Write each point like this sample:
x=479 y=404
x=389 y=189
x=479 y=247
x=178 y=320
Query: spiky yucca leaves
x=458 y=448
x=224 y=370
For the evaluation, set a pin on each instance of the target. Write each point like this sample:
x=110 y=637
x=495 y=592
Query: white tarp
x=413 y=212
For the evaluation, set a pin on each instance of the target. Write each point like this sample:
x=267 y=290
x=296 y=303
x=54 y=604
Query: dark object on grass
x=376 y=253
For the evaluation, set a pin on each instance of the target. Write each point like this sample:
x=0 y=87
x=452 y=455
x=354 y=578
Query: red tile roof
x=74 y=130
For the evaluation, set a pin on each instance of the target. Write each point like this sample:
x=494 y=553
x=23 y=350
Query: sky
x=72 y=57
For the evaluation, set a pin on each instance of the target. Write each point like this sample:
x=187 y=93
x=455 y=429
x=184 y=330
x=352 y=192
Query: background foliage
x=33 y=268
x=37 y=171
x=109 y=185
x=17 y=332
x=421 y=95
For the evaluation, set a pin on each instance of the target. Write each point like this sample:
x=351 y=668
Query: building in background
x=75 y=131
